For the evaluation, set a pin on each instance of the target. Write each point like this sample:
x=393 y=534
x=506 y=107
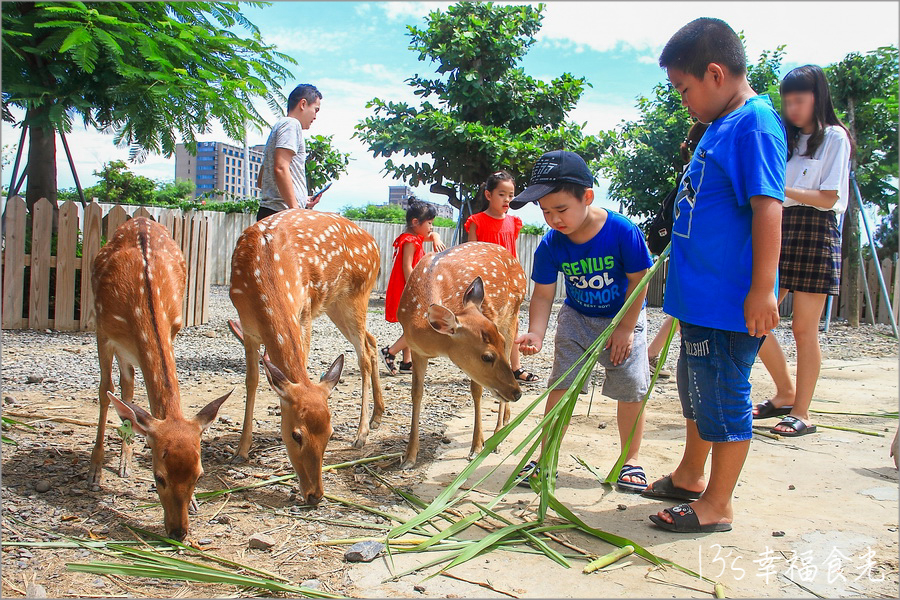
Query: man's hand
x=760 y=312
x=529 y=343
x=313 y=200
x=437 y=242
x=620 y=344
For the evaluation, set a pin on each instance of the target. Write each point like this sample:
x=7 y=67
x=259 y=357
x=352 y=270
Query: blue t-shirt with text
x=741 y=155
x=595 y=271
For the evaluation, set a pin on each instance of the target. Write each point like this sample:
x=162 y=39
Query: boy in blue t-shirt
x=722 y=271
x=603 y=257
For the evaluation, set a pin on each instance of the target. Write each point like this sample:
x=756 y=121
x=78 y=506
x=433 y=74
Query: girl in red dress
x=408 y=251
x=494 y=225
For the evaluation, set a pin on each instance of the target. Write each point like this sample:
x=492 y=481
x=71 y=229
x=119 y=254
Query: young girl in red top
x=408 y=251
x=495 y=226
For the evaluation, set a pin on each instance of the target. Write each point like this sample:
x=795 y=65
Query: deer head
x=477 y=346
x=305 y=423
x=175 y=449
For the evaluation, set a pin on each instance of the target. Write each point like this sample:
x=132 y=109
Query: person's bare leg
x=553 y=399
x=773 y=359
x=515 y=361
x=626 y=415
x=714 y=506
x=690 y=472
x=655 y=346
x=400 y=345
x=807 y=311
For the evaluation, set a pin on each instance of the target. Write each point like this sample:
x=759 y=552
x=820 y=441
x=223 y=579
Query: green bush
x=529 y=229
x=387 y=213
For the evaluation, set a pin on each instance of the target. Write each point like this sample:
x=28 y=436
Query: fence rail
x=208 y=239
x=50 y=288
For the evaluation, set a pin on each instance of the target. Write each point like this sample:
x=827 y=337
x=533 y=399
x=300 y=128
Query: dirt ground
x=832 y=492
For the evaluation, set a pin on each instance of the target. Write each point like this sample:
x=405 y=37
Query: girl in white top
x=816 y=191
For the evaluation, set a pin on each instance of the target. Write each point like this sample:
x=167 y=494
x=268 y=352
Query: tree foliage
x=152 y=73
x=480 y=112
x=644 y=160
x=324 y=162
x=386 y=213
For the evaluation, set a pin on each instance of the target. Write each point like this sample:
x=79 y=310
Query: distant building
x=218 y=166
x=401 y=194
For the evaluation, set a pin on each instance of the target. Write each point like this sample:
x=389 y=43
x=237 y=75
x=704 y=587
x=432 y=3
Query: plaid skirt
x=810 y=251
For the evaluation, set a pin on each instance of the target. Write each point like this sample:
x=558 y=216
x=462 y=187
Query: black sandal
x=389 y=361
x=767 y=410
x=405 y=368
x=529 y=376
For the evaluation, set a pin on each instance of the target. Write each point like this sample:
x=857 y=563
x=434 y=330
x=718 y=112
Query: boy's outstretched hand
x=620 y=344
x=529 y=343
x=760 y=312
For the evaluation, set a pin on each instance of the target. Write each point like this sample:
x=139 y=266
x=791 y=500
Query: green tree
x=386 y=213
x=119 y=184
x=864 y=89
x=149 y=71
x=324 y=163
x=644 y=160
x=481 y=112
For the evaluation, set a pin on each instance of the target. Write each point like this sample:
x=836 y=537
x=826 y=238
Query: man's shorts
x=713 y=378
x=627 y=382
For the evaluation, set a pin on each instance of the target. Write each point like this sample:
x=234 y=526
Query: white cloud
x=818 y=33
x=403 y=11
x=292 y=40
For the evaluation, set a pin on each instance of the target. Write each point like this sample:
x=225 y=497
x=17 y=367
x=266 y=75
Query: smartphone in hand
x=318 y=194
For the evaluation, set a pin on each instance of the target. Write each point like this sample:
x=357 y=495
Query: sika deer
x=138 y=281
x=287 y=269
x=463 y=303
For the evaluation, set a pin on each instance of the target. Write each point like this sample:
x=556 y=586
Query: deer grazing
x=463 y=303
x=286 y=270
x=138 y=281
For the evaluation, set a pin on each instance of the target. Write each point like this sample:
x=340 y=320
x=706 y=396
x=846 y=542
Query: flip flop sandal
x=664 y=488
x=685 y=521
x=767 y=410
x=631 y=486
x=389 y=361
x=797 y=427
x=528 y=471
x=529 y=377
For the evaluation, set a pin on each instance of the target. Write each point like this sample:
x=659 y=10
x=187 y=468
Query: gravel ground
x=56 y=374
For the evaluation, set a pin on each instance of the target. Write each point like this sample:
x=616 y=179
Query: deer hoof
x=407 y=464
x=375 y=423
x=193 y=507
x=125 y=471
x=238 y=459
x=359 y=443
x=95 y=476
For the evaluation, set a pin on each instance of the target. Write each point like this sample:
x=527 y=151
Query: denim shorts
x=626 y=382
x=713 y=378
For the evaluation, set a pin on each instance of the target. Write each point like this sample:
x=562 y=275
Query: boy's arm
x=538 y=317
x=761 y=306
x=622 y=339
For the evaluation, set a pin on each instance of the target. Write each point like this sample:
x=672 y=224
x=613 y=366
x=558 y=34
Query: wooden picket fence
x=43 y=289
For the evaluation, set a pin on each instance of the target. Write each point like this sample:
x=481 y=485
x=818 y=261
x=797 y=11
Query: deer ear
x=277 y=379
x=333 y=374
x=474 y=293
x=208 y=413
x=442 y=319
x=141 y=421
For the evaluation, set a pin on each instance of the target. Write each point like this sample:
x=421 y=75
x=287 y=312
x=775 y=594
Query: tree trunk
x=41 y=160
x=850 y=266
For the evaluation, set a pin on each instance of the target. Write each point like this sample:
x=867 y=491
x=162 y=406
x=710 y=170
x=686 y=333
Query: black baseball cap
x=550 y=170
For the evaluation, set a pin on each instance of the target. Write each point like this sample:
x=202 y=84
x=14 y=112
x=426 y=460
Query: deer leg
x=355 y=332
x=126 y=384
x=478 y=432
x=377 y=395
x=420 y=363
x=95 y=474
x=251 y=354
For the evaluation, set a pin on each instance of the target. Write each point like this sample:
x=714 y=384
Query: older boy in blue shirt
x=722 y=271
x=603 y=257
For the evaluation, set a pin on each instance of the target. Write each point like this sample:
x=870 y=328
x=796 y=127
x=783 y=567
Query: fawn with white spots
x=286 y=270
x=138 y=282
x=463 y=303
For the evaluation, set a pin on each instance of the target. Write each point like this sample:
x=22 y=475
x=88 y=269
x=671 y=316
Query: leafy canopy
x=143 y=70
x=644 y=160
x=480 y=112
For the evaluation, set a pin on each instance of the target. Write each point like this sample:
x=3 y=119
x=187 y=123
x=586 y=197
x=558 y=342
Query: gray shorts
x=627 y=382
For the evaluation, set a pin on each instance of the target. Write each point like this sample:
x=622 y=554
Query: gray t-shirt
x=286 y=133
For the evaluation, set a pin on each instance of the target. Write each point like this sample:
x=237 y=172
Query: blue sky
x=354 y=51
